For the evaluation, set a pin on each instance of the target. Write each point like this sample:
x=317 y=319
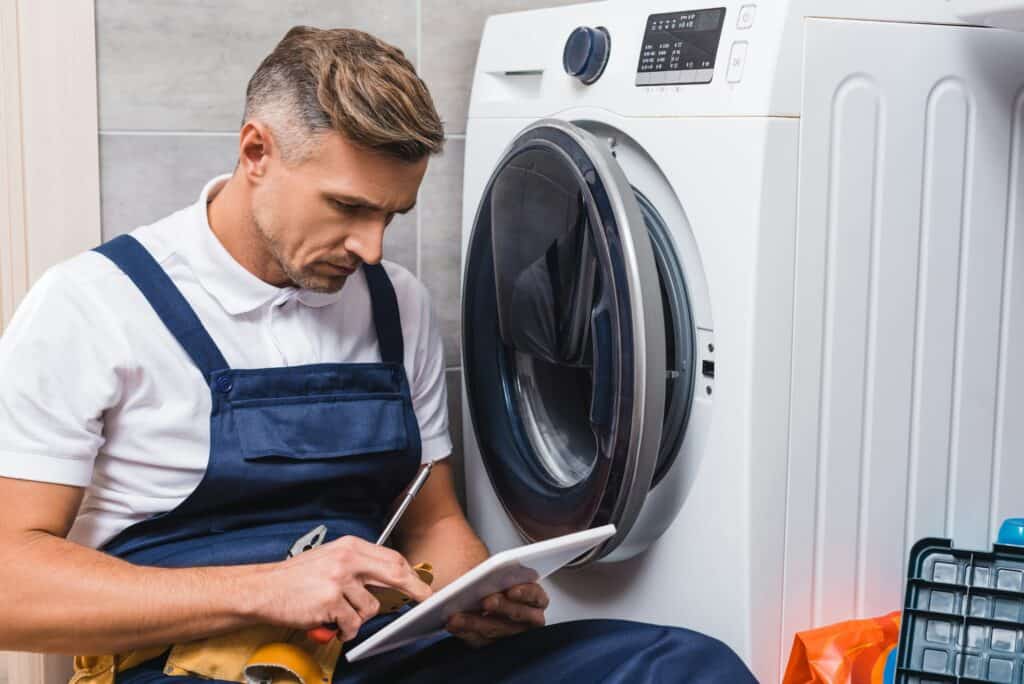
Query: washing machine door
x=564 y=337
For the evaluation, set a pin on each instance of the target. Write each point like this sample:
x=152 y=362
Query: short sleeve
x=59 y=377
x=429 y=391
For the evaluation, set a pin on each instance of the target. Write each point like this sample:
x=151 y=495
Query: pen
x=325 y=633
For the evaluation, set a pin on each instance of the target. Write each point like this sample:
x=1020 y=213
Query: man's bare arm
x=61 y=597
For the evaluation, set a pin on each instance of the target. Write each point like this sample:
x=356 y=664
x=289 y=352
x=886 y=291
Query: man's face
x=323 y=216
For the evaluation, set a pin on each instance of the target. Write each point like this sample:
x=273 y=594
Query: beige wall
x=49 y=176
x=49 y=185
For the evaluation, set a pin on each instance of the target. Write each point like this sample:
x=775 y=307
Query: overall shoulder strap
x=166 y=299
x=386 y=318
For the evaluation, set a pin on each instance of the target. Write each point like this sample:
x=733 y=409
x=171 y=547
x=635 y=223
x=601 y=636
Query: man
x=182 y=404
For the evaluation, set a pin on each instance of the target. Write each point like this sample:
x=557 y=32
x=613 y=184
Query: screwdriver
x=326 y=632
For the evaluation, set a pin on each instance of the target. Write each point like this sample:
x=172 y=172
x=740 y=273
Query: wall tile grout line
x=231 y=134
x=116 y=131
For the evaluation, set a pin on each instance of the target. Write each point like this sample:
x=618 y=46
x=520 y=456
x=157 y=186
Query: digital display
x=680 y=47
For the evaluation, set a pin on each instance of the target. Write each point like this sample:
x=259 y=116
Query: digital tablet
x=505 y=569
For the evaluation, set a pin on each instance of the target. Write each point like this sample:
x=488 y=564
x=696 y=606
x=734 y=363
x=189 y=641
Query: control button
x=737 y=60
x=643 y=78
x=703 y=76
x=745 y=19
x=586 y=53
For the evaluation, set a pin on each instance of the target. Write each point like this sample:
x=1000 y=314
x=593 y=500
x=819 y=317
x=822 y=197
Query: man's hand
x=328 y=584
x=512 y=611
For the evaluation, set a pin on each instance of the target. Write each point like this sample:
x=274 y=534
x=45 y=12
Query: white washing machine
x=743 y=279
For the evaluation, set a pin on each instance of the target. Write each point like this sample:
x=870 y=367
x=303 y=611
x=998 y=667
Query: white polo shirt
x=96 y=392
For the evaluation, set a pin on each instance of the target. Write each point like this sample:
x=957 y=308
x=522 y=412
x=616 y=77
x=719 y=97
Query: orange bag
x=851 y=652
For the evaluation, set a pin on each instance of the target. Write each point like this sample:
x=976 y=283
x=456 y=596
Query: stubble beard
x=307 y=281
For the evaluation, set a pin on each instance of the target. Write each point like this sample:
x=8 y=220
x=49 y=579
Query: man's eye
x=346 y=207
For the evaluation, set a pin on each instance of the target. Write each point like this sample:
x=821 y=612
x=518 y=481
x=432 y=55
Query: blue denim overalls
x=336 y=443
x=290 y=447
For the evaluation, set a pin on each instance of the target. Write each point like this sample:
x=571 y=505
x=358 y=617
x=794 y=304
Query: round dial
x=586 y=53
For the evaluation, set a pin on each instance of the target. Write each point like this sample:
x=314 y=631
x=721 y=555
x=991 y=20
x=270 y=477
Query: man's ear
x=256 y=147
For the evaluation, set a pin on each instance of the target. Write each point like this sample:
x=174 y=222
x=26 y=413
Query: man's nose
x=367 y=243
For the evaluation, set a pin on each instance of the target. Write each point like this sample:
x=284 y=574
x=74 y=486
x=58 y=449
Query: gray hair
x=345 y=80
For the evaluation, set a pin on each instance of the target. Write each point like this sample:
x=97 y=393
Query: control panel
x=680 y=47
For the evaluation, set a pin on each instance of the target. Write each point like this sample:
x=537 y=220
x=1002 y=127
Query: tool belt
x=260 y=654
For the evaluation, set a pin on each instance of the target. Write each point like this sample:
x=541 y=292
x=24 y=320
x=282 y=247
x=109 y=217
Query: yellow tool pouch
x=260 y=654
x=257 y=654
x=103 y=669
x=280 y=649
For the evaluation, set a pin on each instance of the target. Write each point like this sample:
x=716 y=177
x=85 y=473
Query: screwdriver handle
x=324 y=633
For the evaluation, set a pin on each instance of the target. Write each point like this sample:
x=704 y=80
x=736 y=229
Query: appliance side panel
x=770 y=347
x=904 y=311
x=1008 y=470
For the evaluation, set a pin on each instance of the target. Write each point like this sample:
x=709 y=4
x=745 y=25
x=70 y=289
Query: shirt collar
x=231 y=284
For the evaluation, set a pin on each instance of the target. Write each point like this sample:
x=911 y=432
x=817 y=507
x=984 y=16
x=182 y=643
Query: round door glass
x=564 y=337
x=547 y=280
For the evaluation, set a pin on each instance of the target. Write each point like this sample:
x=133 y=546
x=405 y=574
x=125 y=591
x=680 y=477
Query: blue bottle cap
x=1012 y=532
x=889 y=673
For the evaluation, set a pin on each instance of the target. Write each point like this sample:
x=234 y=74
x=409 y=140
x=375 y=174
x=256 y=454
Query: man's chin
x=322 y=284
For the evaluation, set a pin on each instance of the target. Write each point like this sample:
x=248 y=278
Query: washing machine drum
x=578 y=340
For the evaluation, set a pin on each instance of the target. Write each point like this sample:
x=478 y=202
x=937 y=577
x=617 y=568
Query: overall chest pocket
x=320 y=427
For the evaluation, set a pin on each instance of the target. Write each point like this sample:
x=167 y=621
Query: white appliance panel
x=903 y=307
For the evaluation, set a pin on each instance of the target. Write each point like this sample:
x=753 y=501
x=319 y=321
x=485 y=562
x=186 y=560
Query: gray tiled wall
x=172 y=76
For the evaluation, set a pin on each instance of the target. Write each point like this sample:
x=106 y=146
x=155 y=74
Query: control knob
x=586 y=53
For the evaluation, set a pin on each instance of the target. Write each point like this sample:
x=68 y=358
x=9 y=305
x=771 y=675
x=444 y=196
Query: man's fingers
x=474 y=640
x=363 y=602
x=499 y=605
x=395 y=572
x=460 y=629
x=387 y=567
x=377 y=552
x=486 y=626
x=347 y=620
x=517 y=610
x=531 y=594
x=358 y=546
